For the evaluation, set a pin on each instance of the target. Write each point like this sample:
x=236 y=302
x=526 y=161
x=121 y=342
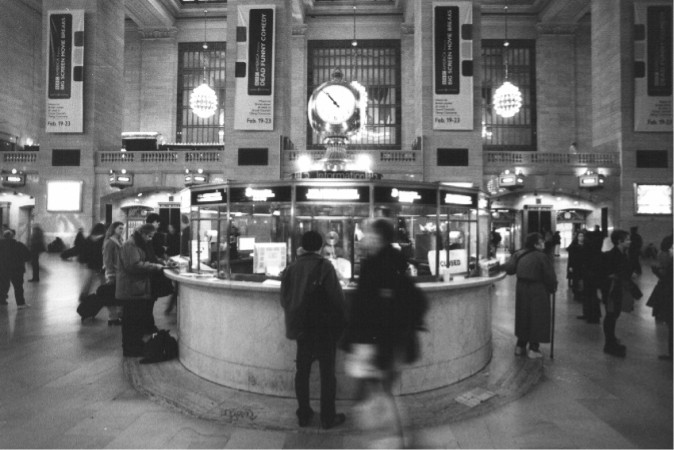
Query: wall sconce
x=193 y=179
x=591 y=180
x=511 y=180
x=120 y=180
x=13 y=178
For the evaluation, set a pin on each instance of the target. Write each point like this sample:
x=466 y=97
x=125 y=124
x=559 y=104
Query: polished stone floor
x=62 y=385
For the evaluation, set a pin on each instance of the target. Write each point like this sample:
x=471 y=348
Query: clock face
x=335 y=104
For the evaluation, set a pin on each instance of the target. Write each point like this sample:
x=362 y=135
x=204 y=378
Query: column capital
x=158 y=33
x=556 y=28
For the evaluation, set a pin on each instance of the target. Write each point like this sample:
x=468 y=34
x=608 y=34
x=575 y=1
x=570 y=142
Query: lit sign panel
x=507 y=180
x=653 y=199
x=415 y=196
x=459 y=199
x=359 y=194
x=590 y=180
x=260 y=194
x=64 y=196
x=209 y=197
x=14 y=180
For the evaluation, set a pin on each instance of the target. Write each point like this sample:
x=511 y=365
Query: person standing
x=313 y=304
x=36 y=247
x=661 y=298
x=536 y=280
x=13 y=258
x=618 y=271
x=634 y=251
x=592 y=277
x=133 y=287
x=111 y=247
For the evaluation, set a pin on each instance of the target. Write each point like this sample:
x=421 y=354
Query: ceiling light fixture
x=203 y=100
x=507 y=98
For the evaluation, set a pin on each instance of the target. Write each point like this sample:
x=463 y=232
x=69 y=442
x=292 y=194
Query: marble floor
x=62 y=385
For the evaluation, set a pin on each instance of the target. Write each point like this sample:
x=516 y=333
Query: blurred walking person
x=111 y=247
x=37 y=246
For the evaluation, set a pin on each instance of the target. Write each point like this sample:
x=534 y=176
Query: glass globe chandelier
x=203 y=100
x=507 y=99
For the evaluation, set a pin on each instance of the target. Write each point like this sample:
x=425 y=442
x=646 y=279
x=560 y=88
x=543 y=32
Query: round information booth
x=242 y=235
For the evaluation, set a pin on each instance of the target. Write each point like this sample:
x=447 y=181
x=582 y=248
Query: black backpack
x=161 y=347
x=317 y=315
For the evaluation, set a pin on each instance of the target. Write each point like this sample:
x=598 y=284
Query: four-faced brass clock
x=335 y=107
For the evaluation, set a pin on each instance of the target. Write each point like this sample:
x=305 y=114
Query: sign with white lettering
x=357 y=195
x=65 y=72
x=653 y=66
x=209 y=197
x=269 y=257
x=452 y=65
x=254 y=70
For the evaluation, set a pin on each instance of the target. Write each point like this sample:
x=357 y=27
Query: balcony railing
x=538 y=158
x=158 y=159
x=19 y=157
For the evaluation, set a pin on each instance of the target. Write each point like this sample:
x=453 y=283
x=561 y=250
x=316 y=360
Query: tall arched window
x=517 y=133
x=193 y=63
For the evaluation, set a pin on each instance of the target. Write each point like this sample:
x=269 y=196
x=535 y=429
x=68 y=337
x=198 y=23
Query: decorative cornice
x=300 y=30
x=158 y=33
x=407 y=28
x=556 y=28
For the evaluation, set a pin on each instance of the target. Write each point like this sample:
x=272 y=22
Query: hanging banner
x=452 y=65
x=65 y=72
x=653 y=66
x=254 y=95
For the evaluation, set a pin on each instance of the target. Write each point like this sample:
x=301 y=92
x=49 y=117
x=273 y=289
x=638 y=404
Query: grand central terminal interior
x=248 y=122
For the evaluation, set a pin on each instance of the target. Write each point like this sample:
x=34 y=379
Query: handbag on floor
x=90 y=306
x=161 y=347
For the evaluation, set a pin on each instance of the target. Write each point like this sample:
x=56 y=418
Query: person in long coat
x=536 y=280
x=661 y=298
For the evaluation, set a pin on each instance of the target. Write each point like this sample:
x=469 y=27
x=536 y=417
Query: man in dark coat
x=634 y=252
x=618 y=271
x=316 y=323
x=536 y=280
x=13 y=258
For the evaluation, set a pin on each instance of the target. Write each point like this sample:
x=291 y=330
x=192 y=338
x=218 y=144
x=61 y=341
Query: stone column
x=103 y=108
x=556 y=86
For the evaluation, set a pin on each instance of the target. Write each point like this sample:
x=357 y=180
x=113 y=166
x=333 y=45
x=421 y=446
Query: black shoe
x=615 y=349
x=304 y=420
x=114 y=322
x=336 y=421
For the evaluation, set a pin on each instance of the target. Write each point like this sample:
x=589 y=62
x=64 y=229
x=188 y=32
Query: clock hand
x=330 y=97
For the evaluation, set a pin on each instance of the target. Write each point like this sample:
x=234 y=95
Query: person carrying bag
x=381 y=334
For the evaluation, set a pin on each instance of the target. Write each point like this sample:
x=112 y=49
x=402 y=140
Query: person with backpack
x=313 y=303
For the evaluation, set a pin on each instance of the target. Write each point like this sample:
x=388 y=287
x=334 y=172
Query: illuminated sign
x=332 y=194
x=395 y=195
x=121 y=180
x=14 y=180
x=459 y=199
x=192 y=179
x=405 y=196
x=259 y=195
x=64 y=196
x=358 y=194
x=209 y=197
x=591 y=180
x=653 y=199
x=507 y=180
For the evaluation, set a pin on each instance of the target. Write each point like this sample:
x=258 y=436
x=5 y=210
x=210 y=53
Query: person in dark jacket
x=76 y=249
x=159 y=239
x=592 y=279
x=575 y=268
x=13 y=258
x=92 y=257
x=634 y=251
x=314 y=340
x=134 y=269
x=618 y=271
x=661 y=297
x=536 y=280
x=37 y=246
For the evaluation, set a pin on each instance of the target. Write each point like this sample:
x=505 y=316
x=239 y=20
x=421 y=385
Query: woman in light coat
x=536 y=280
x=134 y=271
x=111 y=246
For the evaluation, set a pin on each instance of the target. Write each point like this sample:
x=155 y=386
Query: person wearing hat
x=313 y=303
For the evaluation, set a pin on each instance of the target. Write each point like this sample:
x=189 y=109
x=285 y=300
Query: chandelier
x=203 y=100
x=507 y=99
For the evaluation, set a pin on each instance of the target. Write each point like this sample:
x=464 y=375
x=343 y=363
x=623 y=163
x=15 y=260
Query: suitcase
x=90 y=306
